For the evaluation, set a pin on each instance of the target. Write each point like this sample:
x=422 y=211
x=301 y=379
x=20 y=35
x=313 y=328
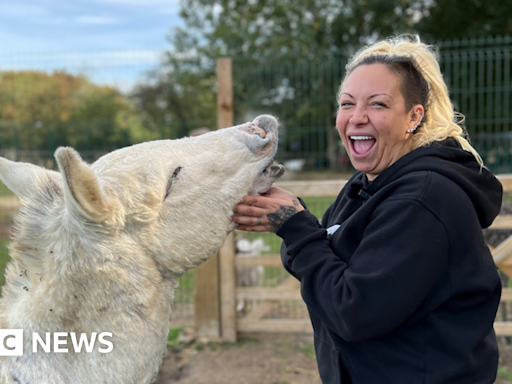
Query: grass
x=316 y=205
x=274 y=275
x=504 y=374
x=4 y=191
x=172 y=338
x=215 y=346
x=308 y=349
x=4 y=259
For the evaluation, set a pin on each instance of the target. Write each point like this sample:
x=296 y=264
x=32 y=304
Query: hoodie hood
x=447 y=158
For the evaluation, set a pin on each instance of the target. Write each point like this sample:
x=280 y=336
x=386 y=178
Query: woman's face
x=372 y=120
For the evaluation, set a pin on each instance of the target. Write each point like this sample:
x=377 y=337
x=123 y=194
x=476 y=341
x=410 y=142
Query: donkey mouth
x=273 y=170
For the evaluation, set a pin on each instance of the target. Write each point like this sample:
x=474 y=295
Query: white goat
x=100 y=248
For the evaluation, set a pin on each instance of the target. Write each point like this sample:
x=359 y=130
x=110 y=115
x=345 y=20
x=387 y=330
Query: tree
x=457 y=19
x=289 y=56
x=264 y=29
x=42 y=111
x=180 y=97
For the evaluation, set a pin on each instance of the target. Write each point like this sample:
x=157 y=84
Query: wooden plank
x=224 y=92
x=256 y=261
x=502 y=222
x=507 y=270
x=506 y=294
x=506 y=181
x=304 y=325
x=263 y=308
x=228 y=289
x=312 y=188
x=259 y=293
x=333 y=187
x=276 y=325
x=502 y=252
x=206 y=298
x=503 y=328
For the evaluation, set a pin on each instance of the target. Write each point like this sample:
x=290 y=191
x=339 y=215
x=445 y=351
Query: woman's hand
x=266 y=213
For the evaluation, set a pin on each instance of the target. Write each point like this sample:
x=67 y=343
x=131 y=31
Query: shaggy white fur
x=100 y=248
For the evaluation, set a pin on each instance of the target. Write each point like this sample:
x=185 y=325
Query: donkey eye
x=171 y=181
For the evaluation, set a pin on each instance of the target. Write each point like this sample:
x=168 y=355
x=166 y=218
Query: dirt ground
x=263 y=359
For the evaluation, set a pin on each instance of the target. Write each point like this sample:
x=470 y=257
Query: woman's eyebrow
x=380 y=94
x=346 y=93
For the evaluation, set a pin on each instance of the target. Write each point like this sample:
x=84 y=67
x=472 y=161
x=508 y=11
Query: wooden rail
x=259 y=293
x=288 y=290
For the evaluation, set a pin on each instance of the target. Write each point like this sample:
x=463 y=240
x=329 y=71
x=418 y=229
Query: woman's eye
x=378 y=104
x=346 y=103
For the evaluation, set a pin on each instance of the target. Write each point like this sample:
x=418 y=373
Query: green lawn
x=4 y=191
x=4 y=259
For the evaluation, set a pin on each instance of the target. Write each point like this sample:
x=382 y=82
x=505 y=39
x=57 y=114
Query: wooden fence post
x=215 y=300
x=227 y=253
x=206 y=299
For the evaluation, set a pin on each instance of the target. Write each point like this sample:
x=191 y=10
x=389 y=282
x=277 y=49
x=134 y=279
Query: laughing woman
x=400 y=285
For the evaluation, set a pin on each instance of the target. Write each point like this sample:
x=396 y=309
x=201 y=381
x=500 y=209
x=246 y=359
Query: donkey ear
x=81 y=187
x=26 y=180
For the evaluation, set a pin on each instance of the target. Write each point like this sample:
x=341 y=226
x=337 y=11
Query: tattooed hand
x=266 y=213
x=278 y=218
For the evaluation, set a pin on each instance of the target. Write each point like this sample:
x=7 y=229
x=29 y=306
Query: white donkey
x=100 y=248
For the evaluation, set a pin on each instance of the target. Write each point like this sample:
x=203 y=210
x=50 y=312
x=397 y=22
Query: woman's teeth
x=361 y=137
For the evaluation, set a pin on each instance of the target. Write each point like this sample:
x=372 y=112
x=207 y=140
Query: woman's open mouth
x=361 y=145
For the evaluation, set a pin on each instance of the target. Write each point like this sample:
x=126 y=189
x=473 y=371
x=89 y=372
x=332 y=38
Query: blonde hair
x=405 y=55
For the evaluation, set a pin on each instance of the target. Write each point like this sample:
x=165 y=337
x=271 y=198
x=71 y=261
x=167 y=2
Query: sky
x=112 y=41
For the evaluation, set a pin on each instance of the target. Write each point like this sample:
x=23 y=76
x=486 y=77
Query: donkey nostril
x=252 y=128
x=261 y=133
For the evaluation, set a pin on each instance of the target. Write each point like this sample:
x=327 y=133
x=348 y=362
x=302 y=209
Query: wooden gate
x=289 y=289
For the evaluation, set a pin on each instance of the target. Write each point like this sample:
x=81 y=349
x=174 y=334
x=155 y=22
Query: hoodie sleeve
x=390 y=273
x=284 y=255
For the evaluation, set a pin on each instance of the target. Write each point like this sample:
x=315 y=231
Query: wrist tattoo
x=296 y=202
x=278 y=218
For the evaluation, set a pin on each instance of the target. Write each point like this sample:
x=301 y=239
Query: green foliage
x=504 y=374
x=172 y=338
x=290 y=58
x=262 y=30
x=4 y=259
x=43 y=111
x=181 y=97
x=456 y=19
x=4 y=191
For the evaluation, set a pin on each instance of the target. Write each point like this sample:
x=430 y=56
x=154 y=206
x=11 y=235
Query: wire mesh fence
x=477 y=73
x=302 y=93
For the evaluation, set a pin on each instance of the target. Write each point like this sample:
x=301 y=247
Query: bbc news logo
x=11 y=342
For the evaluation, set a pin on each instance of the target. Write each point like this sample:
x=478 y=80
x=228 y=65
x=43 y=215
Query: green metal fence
x=477 y=73
x=301 y=92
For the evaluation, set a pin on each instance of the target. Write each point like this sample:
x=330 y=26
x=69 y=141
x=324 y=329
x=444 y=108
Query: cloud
x=97 y=20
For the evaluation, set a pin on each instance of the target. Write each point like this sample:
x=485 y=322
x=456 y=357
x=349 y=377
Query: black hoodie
x=401 y=288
